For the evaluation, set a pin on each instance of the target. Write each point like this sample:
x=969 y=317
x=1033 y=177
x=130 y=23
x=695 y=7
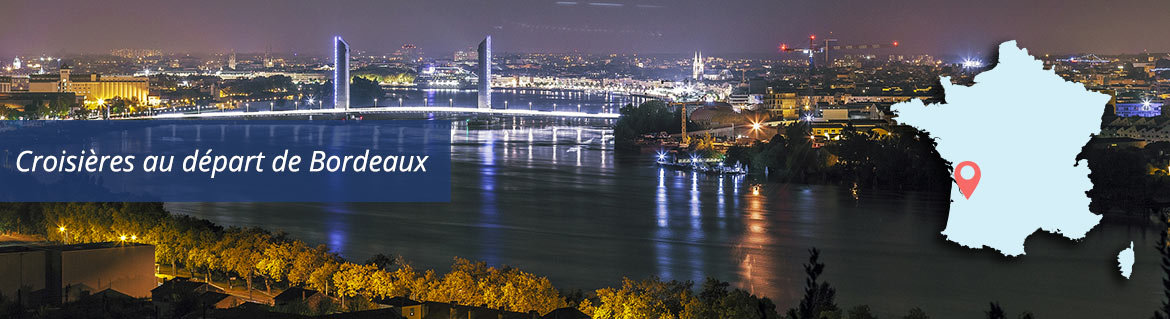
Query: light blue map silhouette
x=1125 y=261
x=1023 y=126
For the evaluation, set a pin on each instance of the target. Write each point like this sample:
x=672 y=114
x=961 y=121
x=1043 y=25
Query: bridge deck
x=383 y=109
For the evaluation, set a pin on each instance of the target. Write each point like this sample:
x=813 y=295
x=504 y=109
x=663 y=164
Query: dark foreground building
x=65 y=273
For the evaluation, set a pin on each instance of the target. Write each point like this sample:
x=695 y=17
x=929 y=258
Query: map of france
x=1023 y=126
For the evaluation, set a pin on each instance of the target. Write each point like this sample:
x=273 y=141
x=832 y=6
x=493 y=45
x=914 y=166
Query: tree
x=276 y=262
x=916 y=313
x=57 y=108
x=363 y=92
x=381 y=261
x=860 y=312
x=1163 y=247
x=321 y=277
x=647 y=118
x=720 y=301
x=242 y=249
x=650 y=298
x=995 y=312
x=350 y=279
x=306 y=261
x=818 y=296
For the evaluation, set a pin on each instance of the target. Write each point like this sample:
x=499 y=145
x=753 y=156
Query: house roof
x=110 y=293
x=294 y=294
x=375 y=313
x=399 y=302
x=565 y=313
x=213 y=297
x=181 y=285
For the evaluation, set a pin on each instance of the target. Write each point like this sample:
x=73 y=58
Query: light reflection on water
x=544 y=200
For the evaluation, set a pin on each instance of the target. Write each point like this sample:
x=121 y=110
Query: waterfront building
x=93 y=87
x=340 y=73
x=65 y=273
x=1140 y=109
x=21 y=100
x=1150 y=129
x=484 y=71
x=5 y=84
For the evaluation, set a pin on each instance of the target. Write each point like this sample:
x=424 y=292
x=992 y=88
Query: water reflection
x=490 y=241
x=588 y=220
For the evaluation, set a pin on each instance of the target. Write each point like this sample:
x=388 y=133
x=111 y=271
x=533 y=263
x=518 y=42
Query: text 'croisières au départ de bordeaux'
x=207 y=161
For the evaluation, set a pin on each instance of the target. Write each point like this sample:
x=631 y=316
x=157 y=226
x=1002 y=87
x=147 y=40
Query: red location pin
x=967 y=186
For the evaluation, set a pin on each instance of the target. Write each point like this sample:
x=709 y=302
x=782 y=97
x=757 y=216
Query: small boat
x=697 y=165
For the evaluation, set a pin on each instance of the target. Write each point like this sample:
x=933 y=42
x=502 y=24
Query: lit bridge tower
x=340 y=73
x=485 y=73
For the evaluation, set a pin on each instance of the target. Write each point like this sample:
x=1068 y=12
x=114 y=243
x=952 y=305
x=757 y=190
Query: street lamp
x=529 y=106
x=375 y=102
x=102 y=103
x=451 y=102
x=399 y=102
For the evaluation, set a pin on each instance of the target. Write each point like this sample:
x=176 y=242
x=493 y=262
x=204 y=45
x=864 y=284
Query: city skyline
x=646 y=27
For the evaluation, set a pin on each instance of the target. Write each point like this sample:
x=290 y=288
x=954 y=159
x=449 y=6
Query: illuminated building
x=16 y=64
x=5 y=84
x=783 y=104
x=1143 y=109
x=485 y=73
x=340 y=74
x=697 y=67
x=93 y=87
x=232 y=61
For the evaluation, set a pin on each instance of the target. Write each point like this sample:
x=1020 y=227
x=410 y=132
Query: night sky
x=603 y=26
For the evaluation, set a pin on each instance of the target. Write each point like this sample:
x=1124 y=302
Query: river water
x=570 y=209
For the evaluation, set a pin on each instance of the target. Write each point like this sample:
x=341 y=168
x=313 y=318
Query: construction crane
x=829 y=44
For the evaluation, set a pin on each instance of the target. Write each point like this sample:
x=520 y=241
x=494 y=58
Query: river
x=574 y=211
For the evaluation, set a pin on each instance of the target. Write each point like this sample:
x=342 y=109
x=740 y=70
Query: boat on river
x=702 y=165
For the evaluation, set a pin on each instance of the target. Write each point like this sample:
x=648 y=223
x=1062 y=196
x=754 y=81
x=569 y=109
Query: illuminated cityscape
x=651 y=159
